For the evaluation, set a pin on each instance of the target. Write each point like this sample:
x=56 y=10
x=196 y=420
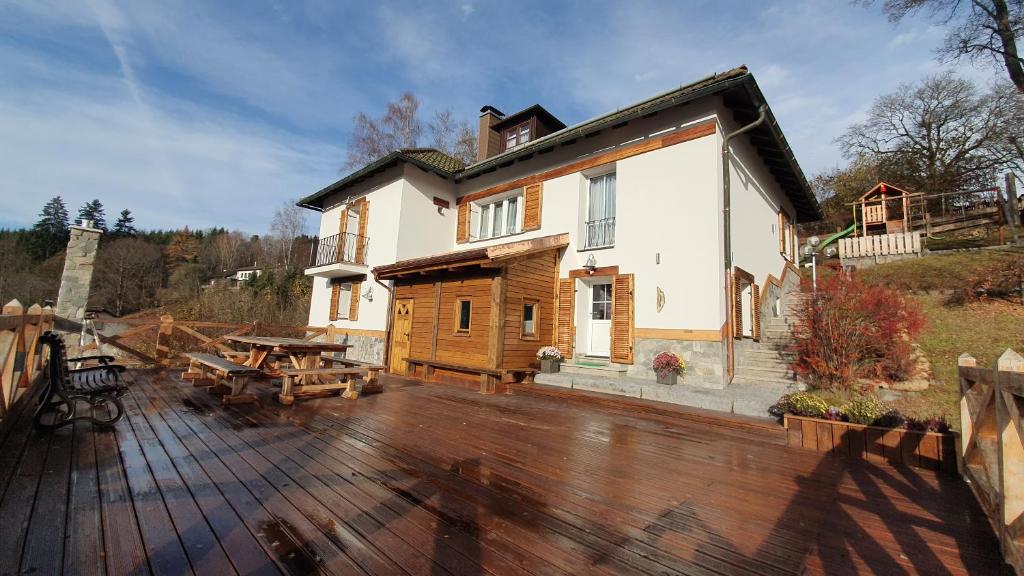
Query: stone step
x=776 y=371
x=761 y=379
x=759 y=364
x=606 y=370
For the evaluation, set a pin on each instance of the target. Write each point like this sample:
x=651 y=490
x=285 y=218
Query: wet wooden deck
x=436 y=479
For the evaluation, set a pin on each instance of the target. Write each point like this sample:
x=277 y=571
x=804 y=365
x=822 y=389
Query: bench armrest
x=103 y=359
x=109 y=367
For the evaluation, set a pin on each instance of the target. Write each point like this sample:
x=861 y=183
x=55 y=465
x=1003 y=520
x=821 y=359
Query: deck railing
x=347 y=247
x=600 y=233
x=992 y=451
x=21 y=357
x=880 y=245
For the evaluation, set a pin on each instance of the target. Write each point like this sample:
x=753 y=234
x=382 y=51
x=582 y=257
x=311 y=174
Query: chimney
x=488 y=141
x=74 y=283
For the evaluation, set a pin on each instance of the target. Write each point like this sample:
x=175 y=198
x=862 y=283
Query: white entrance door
x=600 y=320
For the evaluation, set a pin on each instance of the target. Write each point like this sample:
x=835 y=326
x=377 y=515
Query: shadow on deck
x=436 y=479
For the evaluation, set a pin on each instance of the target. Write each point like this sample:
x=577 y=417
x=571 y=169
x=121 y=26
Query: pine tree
x=125 y=225
x=50 y=233
x=94 y=211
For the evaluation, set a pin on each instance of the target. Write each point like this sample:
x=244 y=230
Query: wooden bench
x=70 y=389
x=489 y=377
x=213 y=371
x=372 y=383
x=308 y=381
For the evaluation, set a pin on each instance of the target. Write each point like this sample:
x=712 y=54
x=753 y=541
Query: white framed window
x=493 y=218
x=516 y=135
x=600 y=222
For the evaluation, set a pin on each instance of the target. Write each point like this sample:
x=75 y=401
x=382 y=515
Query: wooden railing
x=164 y=340
x=21 y=360
x=992 y=451
x=880 y=245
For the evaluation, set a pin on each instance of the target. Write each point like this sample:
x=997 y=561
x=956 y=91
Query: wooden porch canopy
x=485 y=257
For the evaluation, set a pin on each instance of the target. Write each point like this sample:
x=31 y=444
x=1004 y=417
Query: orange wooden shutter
x=737 y=308
x=755 y=312
x=462 y=230
x=364 y=217
x=532 y=203
x=335 y=294
x=353 y=307
x=622 y=319
x=792 y=241
x=783 y=231
x=342 y=228
x=563 y=320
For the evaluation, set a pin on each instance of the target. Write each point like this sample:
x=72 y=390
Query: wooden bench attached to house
x=213 y=371
x=489 y=377
x=308 y=381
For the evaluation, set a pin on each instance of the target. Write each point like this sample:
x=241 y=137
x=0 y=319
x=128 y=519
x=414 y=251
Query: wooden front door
x=401 y=333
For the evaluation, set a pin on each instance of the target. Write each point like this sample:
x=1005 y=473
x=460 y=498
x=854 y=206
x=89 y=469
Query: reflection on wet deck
x=437 y=479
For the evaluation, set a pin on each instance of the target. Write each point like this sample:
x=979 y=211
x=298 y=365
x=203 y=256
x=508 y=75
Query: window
x=531 y=320
x=601 y=302
x=601 y=211
x=497 y=217
x=517 y=135
x=344 y=301
x=463 y=315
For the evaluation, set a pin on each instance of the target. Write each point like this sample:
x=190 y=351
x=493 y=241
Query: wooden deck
x=437 y=479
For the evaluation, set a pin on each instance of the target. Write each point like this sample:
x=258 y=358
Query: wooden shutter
x=564 y=317
x=353 y=307
x=533 y=201
x=462 y=230
x=737 y=308
x=783 y=232
x=335 y=294
x=622 y=319
x=364 y=217
x=755 y=312
x=342 y=228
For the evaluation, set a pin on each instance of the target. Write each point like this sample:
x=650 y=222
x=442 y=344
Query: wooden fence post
x=1011 y=456
x=966 y=425
x=163 y=338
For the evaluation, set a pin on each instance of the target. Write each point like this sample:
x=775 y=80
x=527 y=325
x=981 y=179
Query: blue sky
x=213 y=114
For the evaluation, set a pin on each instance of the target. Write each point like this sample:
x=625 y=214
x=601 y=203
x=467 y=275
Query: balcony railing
x=348 y=248
x=600 y=233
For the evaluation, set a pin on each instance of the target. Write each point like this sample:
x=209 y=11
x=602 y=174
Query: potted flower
x=549 y=357
x=668 y=366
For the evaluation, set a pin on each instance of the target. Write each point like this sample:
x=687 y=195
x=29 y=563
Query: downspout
x=727 y=238
x=387 y=325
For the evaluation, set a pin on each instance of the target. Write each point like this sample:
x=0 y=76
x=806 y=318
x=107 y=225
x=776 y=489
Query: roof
x=739 y=93
x=472 y=257
x=884 y=187
x=548 y=118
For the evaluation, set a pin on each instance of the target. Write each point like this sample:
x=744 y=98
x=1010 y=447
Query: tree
x=978 y=29
x=94 y=211
x=400 y=127
x=938 y=135
x=125 y=225
x=129 y=273
x=835 y=188
x=50 y=233
x=226 y=251
x=288 y=224
x=184 y=248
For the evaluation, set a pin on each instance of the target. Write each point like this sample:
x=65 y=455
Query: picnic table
x=306 y=375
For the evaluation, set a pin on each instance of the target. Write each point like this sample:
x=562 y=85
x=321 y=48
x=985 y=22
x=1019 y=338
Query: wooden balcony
x=437 y=479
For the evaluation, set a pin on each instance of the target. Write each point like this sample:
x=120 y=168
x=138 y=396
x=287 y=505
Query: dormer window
x=516 y=135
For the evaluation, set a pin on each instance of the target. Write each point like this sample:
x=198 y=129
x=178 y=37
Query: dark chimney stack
x=488 y=141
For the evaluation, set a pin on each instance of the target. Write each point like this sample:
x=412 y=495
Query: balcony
x=338 y=255
x=600 y=233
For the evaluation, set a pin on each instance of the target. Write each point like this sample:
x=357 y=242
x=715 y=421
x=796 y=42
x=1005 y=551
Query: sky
x=216 y=113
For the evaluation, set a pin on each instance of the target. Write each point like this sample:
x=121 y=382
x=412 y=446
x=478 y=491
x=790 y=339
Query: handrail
x=339 y=248
x=992 y=451
x=22 y=363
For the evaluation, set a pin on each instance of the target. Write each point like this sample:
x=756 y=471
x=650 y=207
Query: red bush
x=848 y=329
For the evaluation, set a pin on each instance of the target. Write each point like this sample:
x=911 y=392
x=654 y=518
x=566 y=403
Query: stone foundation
x=364 y=348
x=705 y=361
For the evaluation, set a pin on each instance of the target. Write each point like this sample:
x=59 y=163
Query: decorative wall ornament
x=661 y=298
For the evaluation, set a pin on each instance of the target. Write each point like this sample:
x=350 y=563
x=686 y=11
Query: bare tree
x=978 y=29
x=453 y=137
x=129 y=272
x=374 y=138
x=227 y=250
x=938 y=135
x=288 y=225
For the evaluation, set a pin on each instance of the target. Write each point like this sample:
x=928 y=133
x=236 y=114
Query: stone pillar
x=78 y=263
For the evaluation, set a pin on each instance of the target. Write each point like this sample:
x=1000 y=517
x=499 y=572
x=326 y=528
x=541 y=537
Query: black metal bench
x=69 y=390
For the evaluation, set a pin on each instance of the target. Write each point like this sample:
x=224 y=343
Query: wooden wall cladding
x=929 y=450
x=531 y=279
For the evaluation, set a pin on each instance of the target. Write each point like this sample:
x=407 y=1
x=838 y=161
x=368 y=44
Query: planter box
x=549 y=365
x=930 y=450
x=669 y=379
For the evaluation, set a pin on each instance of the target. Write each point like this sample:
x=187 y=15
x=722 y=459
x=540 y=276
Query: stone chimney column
x=78 y=263
x=488 y=141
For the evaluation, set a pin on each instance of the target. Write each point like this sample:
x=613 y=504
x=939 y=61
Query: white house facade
x=609 y=235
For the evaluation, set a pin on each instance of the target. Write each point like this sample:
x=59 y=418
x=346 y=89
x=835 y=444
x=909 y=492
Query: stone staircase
x=767 y=362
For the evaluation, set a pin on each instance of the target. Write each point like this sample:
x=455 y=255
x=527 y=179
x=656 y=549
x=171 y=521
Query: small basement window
x=531 y=319
x=463 y=314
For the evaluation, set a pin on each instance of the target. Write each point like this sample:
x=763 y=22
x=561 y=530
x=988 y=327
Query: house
x=245 y=274
x=613 y=239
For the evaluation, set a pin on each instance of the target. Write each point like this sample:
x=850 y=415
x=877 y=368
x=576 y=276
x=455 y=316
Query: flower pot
x=549 y=365
x=669 y=379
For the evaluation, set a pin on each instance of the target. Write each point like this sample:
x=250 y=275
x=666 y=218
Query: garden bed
x=896 y=446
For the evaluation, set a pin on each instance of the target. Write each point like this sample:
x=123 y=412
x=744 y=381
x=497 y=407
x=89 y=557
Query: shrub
x=891 y=419
x=666 y=363
x=848 y=329
x=549 y=353
x=933 y=424
x=799 y=404
x=865 y=410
